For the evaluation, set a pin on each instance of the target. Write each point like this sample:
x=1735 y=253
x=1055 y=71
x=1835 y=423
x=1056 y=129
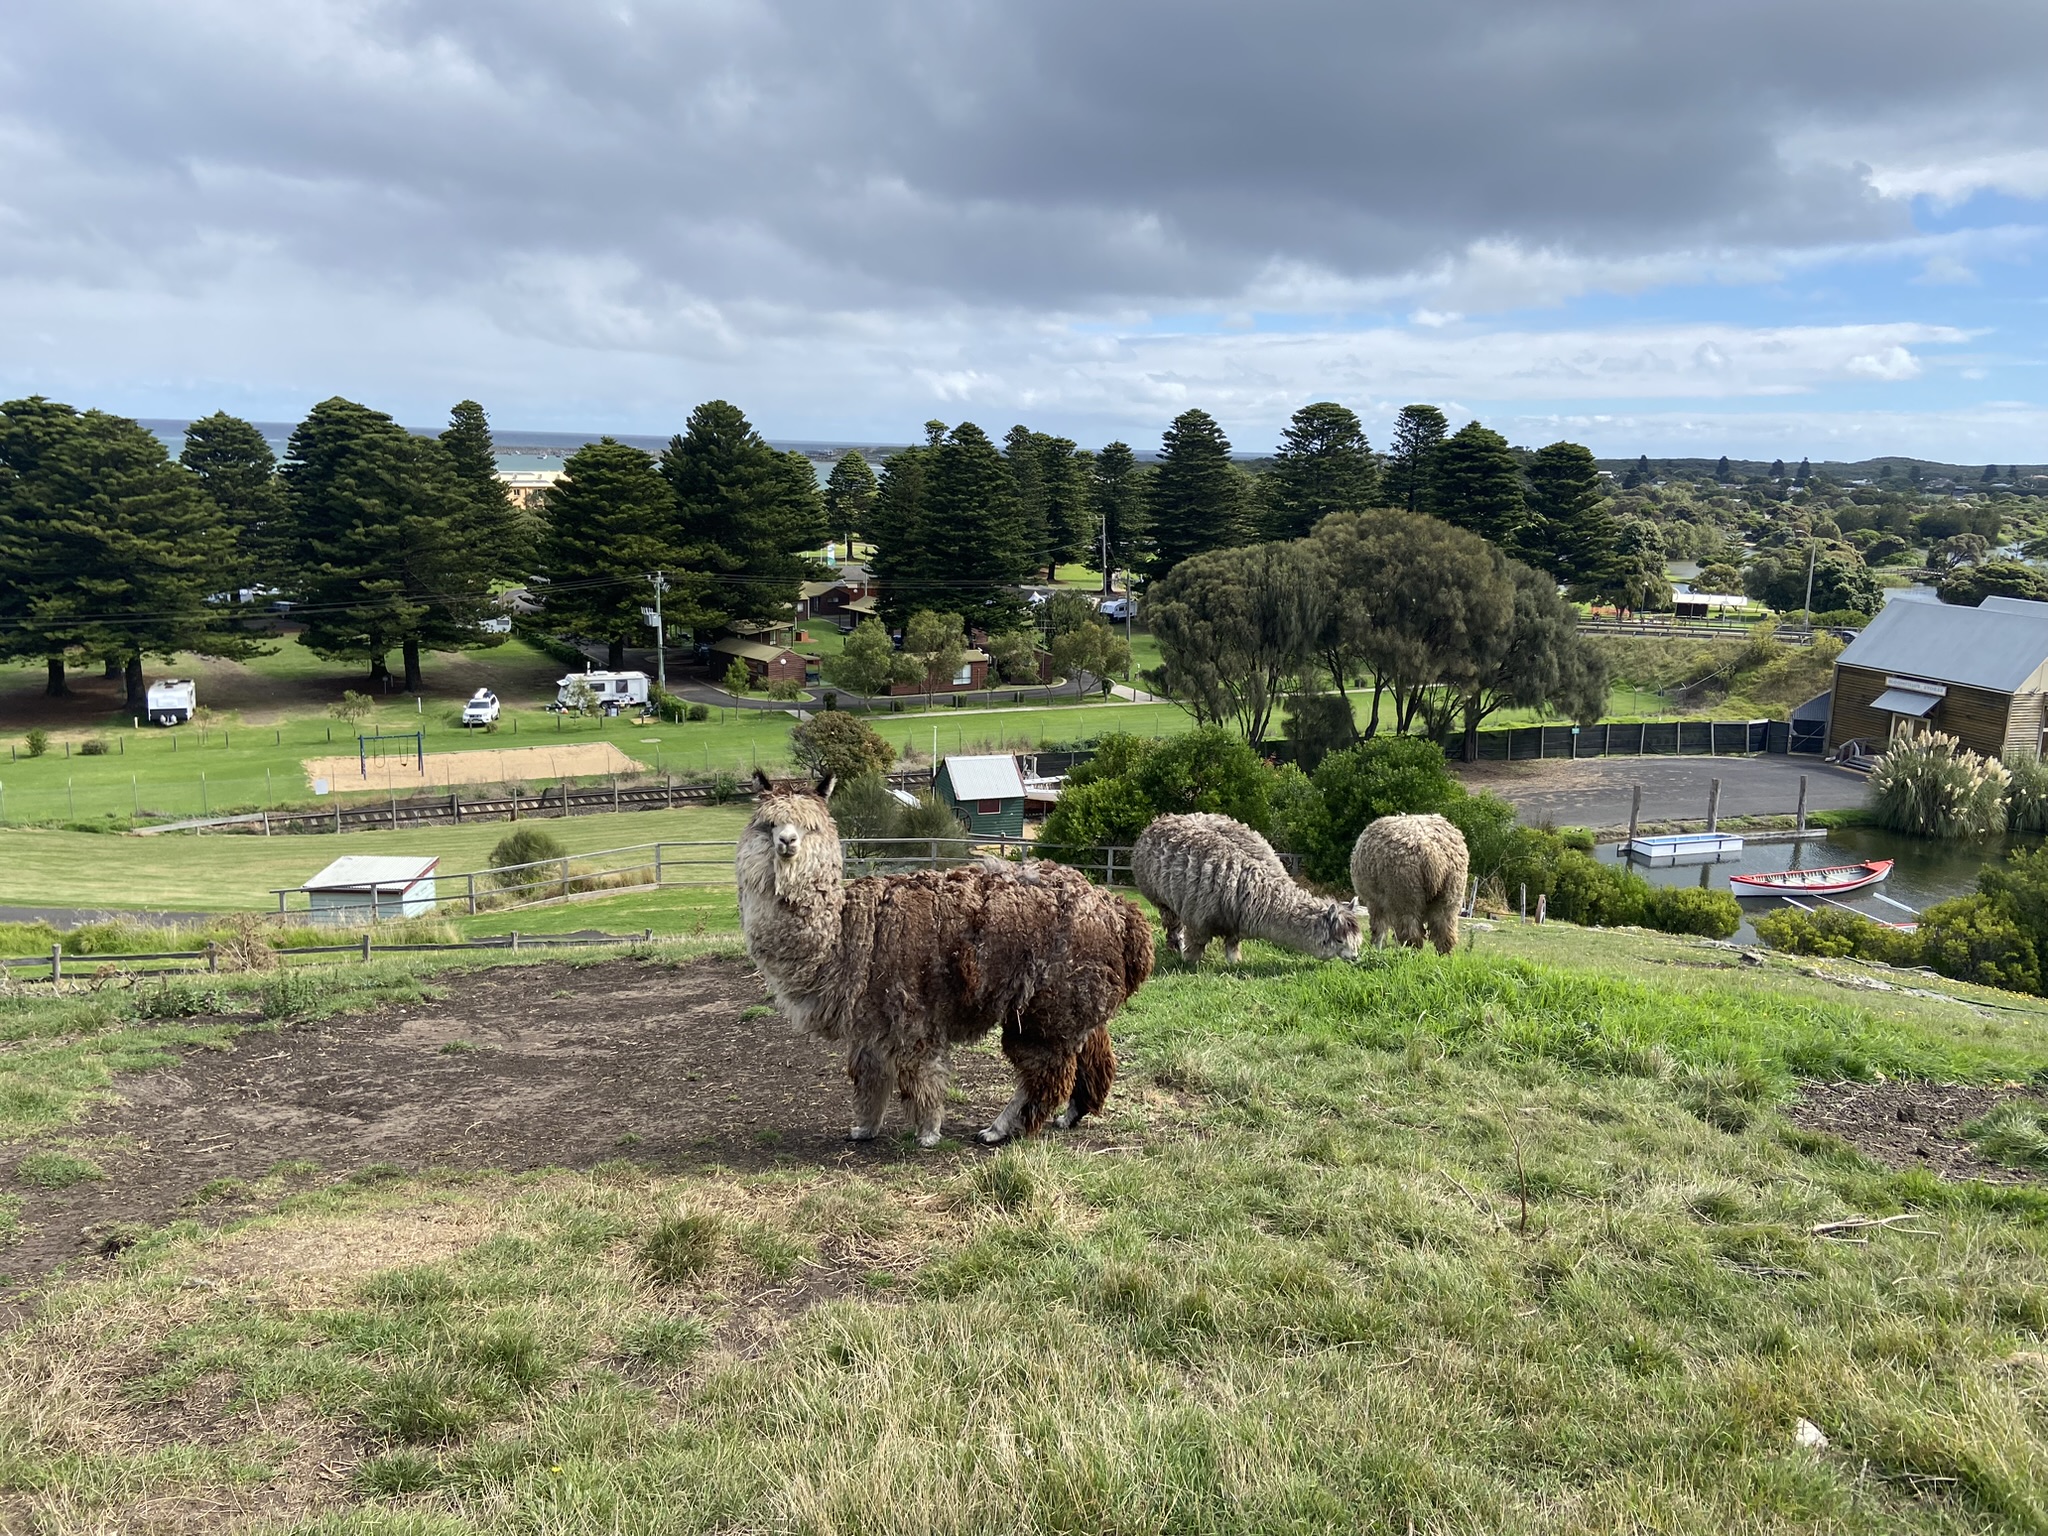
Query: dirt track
x=513 y=1068
x=490 y=765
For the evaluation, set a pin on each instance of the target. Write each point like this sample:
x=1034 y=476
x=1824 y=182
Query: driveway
x=1595 y=792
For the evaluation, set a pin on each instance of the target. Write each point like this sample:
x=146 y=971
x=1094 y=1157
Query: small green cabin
x=987 y=793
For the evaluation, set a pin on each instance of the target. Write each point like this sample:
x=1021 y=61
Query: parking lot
x=1595 y=792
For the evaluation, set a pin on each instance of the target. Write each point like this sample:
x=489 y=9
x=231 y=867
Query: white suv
x=482 y=708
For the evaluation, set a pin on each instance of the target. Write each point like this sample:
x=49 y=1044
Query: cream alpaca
x=1213 y=877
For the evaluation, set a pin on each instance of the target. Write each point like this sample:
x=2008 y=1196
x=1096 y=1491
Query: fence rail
x=1654 y=738
x=56 y=961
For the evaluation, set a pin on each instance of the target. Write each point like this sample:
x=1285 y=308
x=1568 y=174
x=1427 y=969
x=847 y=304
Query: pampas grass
x=1931 y=786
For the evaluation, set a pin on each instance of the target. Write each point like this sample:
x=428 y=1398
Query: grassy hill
x=1518 y=1240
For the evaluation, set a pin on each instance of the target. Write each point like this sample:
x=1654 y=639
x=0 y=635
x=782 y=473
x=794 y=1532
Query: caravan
x=609 y=692
x=172 y=701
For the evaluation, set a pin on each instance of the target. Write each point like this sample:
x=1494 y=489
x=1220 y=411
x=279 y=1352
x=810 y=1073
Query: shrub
x=667 y=706
x=93 y=746
x=524 y=845
x=698 y=712
x=1389 y=775
x=37 y=742
x=787 y=690
x=1834 y=932
x=1113 y=797
x=1318 y=724
x=725 y=787
x=928 y=818
x=1580 y=838
x=1974 y=939
x=736 y=679
x=2026 y=795
x=1596 y=895
x=1688 y=909
x=864 y=808
x=843 y=745
x=354 y=707
x=1931 y=786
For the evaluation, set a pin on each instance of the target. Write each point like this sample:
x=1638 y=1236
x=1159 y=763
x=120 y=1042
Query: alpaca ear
x=762 y=782
x=826 y=785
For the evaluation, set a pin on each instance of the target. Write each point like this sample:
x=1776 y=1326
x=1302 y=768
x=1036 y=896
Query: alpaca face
x=791 y=841
x=1340 y=932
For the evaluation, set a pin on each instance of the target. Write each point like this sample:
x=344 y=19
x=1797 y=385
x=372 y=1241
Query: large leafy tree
x=1324 y=465
x=973 y=540
x=1418 y=431
x=1199 y=498
x=1543 y=660
x=611 y=521
x=238 y=472
x=849 y=493
x=109 y=548
x=507 y=534
x=1475 y=484
x=867 y=664
x=1234 y=625
x=1570 y=532
x=747 y=514
x=1969 y=585
x=1119 y=503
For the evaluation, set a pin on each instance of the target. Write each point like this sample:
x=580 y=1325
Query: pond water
x=1923 y=871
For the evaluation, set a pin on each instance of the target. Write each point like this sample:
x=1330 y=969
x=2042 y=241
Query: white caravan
x=607 y=691
x=172 y=701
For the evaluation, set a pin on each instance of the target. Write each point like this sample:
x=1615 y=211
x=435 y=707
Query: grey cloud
x=1055 y=154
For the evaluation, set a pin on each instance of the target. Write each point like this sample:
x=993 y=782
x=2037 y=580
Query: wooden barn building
x=1978 y=674
x=986 y=793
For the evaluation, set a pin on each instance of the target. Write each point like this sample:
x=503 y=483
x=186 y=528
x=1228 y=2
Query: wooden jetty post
x=1713 y=805
x=1802 y=803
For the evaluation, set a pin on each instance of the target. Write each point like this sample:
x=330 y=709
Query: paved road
x=1595 y=792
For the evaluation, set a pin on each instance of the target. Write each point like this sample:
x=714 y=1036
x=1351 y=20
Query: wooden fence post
x=366 y=944
x=1802 y=802
x=515 y=938
x=1542 y=908
x=471 y=878
x=1635 y=811
x=56 y=963
x=1525 y=902
x=212 y=956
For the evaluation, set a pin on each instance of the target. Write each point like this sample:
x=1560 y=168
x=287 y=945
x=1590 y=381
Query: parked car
x=482 y=709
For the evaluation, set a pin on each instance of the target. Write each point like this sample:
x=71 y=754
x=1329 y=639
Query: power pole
x=1812 y=549
x=660 y=634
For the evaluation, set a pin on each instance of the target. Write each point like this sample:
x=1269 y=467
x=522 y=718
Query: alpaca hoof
x=992 y=1135
x=929 y=1138
x=862 y=1133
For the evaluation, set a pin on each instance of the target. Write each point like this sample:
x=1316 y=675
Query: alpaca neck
x=1287 y=916
x=790 y=915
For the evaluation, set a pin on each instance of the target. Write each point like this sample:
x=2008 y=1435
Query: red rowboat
x=1831 y=881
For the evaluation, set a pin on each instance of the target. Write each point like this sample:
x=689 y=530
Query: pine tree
x=974 y=539
x=901 y=562
x=503 y=531
x=1065 y=471
x=1418 y=431
x=1119 y=501
x=387 y=549
x=1324 y=465
x=1639 y=473
x=1025 y=460
x=1199 y=499
x=849 y=492
x=1476 y=484
x=110 y=549
x=237 y=470
x=1721 y=470
x=1571 y=532
x=1804 y=473
x=1777 y=469
x=611 y=520
x=745 y=512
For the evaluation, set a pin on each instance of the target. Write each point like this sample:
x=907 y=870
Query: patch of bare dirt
x=513 y=1068
x=1909 y=1124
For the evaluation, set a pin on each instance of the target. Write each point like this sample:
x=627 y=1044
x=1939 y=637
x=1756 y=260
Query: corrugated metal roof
x=984 y=778
x=1906 y=701
x=753 y=650
x=1998 y=646
x=360 y=871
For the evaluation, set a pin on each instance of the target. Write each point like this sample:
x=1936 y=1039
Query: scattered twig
x=1105 y=1151
x=1859 y=1223
x=1521 y=1181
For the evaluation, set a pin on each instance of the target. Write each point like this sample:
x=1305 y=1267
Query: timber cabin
x=1977 y=674
x=986 y=793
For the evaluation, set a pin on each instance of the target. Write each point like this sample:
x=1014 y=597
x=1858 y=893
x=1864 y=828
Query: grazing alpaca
x=1409 y=873
x=901 y=967
x=1212 y=877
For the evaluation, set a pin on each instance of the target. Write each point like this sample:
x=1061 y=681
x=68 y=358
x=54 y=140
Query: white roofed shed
x=362 y=887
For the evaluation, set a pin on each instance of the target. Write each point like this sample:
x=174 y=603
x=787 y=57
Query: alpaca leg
x=1194 y=942
x=1230 y=951
x=1379 y=929
x=870 y=1073
x=1171 y=920
x=1443 y=928
x=1045 y=1074
x=1094 y=1071
x=923 y=1086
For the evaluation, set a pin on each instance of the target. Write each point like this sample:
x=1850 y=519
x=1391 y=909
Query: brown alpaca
x=902 y=967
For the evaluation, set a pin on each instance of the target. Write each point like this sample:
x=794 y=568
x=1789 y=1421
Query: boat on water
x=1830 y=881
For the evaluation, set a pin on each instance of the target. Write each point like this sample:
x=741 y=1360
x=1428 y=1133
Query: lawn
x=235 y=872
x=1514 y=1241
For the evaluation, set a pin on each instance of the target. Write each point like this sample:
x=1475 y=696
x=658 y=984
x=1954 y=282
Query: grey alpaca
x=1409 y=874
x=903 y=967
x=1212 y=877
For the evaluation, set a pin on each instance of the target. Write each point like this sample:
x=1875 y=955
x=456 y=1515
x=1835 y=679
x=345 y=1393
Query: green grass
x=180 y=872
x=1461 y=1243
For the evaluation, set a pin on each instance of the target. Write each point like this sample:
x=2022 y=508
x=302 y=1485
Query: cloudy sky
x=1758 y=227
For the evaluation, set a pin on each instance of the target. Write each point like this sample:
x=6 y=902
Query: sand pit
x=497 y=766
